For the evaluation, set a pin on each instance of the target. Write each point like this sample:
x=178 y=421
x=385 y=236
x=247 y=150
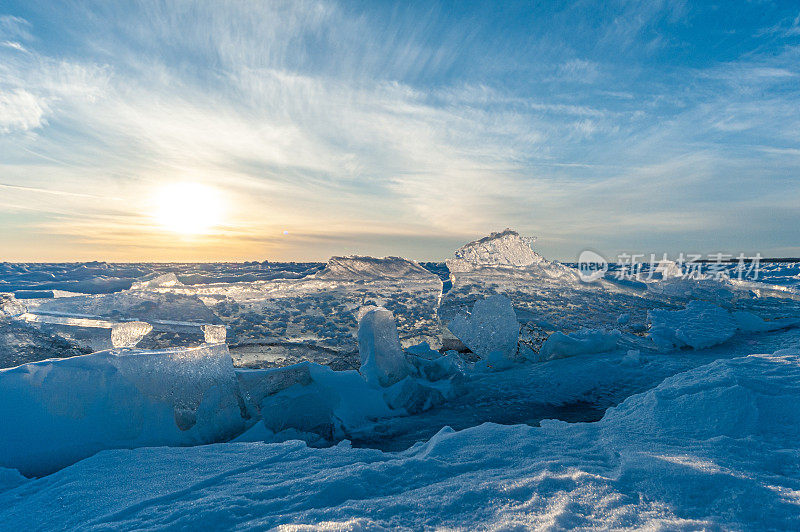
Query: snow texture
x=676 y=457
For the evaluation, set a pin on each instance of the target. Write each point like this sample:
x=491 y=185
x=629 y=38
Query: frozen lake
x=445 y=378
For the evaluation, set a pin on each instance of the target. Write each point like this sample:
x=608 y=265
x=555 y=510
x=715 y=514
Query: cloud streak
x=375 y=126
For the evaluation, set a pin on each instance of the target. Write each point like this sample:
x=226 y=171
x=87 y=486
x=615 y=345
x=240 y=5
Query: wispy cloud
x=20 y=110
x=364 y=128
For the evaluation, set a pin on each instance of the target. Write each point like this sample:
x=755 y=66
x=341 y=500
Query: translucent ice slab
x=56 y=412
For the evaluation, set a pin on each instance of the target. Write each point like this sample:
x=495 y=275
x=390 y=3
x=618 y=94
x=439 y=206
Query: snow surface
x=677 y=456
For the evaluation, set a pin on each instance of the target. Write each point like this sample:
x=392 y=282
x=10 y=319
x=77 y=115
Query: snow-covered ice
x=698 y=326
x=560 y=345
x=702 y=324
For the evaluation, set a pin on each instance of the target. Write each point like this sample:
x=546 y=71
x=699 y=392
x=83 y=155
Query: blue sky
x=398 y=128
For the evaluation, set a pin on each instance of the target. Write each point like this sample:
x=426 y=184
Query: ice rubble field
x=333 y=400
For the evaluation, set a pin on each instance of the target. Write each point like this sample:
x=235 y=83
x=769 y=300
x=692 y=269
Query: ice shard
x=130 y=333
x=382 y=358
x=490 y=329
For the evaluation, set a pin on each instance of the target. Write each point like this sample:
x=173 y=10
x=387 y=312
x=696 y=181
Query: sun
x=188 y=208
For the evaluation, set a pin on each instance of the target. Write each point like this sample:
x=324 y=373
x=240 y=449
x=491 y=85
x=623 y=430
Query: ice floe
x=560 y=345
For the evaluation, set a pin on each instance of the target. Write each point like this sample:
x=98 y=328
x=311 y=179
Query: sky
x=207 y=131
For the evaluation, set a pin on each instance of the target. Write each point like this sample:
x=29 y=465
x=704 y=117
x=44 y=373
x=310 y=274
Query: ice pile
x=56 y=412
x=547 y=297
x=504 y=254
x=669 y=269
x=316 y=318
x=60 y=411
x=498 y=250
x=318 y=405
x=157 y=280
x=143 y=305
x=88 y=321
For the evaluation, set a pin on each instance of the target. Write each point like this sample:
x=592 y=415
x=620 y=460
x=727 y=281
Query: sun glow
x=188 y=208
